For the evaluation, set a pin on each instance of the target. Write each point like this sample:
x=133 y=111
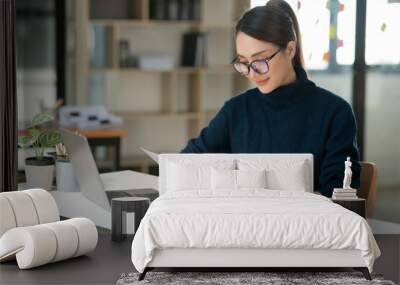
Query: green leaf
x=35 y=133
x=24 y=141
x=42 y=118
x=50 y=138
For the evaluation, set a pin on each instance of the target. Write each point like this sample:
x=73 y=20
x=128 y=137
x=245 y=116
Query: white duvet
x=250 y=219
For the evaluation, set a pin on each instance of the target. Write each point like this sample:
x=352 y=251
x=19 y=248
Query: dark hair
x=276 y=23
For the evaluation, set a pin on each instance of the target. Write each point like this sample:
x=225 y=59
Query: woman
x=286 y=112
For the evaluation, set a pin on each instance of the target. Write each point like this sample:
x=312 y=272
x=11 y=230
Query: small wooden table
x=105 y=137
x=357 y=205
x=137 y=205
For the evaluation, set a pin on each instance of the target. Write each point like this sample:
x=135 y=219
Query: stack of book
x=175 y=10
x=343 y=194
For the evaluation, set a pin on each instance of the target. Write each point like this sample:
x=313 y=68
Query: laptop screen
x=85 y=168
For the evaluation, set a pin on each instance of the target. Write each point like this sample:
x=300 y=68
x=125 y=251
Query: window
x=346 y=32
x=383 y=26
x=313 y=17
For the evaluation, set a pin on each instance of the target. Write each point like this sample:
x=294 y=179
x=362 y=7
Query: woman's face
x=280 y=71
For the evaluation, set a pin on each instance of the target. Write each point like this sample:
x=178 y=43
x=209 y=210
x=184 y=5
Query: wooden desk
x=105 y=137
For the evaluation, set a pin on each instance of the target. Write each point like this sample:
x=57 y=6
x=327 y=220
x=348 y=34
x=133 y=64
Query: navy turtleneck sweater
x=296 y=118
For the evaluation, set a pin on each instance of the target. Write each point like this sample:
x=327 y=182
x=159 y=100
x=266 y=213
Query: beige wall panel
x=134 y=92
x=184 y=91
x=218 y=12
x=218 y=89
x=159 y=135
x=220 y=47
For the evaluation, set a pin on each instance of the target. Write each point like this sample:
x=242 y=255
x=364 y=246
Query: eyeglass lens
x=259 y=66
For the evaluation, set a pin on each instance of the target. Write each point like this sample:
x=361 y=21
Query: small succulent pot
x=39 y=173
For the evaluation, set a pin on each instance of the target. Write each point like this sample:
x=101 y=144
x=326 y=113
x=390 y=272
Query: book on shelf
x=157 y=9
x=194 y=49
x=97 y=44
x=175 y=10
x=184 y=7
x=106 y=9
x=194 y=9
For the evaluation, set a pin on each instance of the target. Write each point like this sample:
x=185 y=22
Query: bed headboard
x=281 y=163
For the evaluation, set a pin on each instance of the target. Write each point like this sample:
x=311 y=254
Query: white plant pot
x=65 y=177
x=39 y=173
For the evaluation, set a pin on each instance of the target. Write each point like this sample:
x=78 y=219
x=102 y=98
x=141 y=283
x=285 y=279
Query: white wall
x=33 y=87
x=382 y=137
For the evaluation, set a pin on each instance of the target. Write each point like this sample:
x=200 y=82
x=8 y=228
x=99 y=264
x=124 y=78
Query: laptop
x=101 y=188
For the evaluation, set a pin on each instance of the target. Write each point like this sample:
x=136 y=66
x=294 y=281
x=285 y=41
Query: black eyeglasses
x=260 y=66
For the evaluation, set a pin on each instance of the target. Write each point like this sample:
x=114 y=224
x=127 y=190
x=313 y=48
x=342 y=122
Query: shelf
x=160 y=23
x=219 y=69
x=142 y=23
x=182 y=94
x=129 y=70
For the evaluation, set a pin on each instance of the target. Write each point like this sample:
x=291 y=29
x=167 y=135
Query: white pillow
x=251 y=178
x=236 y=179
x=292 y=179
x=281 y=174
x=186 y=174
x=223 y=179
x=188 y=177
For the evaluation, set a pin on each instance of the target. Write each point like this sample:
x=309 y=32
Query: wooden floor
x=111 y=259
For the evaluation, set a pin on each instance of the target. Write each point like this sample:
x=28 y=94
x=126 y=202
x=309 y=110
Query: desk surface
x=102 y=133
x=95 y=133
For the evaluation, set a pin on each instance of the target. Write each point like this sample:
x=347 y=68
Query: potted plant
x=65 y=176
x=39 y=169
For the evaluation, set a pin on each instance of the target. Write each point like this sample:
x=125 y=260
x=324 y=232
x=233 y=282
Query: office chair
x=368 y=183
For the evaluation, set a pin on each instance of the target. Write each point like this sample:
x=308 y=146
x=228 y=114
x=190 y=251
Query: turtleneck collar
x=289 y=93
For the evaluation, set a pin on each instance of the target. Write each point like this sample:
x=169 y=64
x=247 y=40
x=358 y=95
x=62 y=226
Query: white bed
x=207 y=225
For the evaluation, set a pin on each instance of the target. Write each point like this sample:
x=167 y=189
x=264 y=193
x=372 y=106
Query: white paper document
x=152 y=155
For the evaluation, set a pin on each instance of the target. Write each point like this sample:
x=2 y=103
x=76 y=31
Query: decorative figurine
x=347 y=174
x=345 y=193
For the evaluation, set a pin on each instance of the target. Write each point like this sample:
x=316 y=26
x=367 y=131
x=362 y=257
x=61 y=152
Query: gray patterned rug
x=243 y=278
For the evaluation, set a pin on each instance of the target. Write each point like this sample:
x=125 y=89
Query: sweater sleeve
x=214 y=138
x=341 y=143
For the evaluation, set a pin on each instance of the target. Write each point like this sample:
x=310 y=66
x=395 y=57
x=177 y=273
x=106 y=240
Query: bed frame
x=246 y=258
x=242 y=259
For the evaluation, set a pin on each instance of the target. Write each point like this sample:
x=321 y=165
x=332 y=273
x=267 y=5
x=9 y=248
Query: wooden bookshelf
x=196 y=25
x=143 y=22
x=185 y=93
x=219 y=69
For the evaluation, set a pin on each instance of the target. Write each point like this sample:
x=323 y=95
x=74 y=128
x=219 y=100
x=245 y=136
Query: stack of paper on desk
x=152 y=155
